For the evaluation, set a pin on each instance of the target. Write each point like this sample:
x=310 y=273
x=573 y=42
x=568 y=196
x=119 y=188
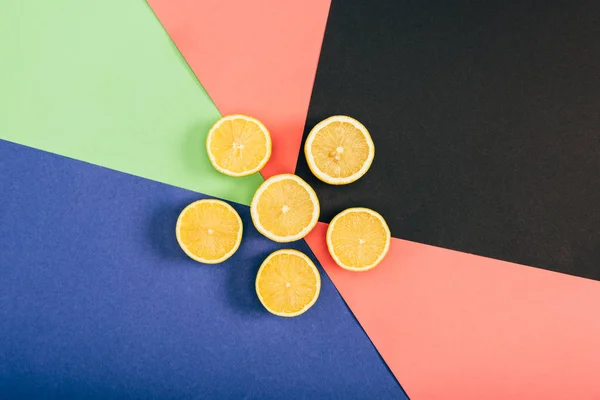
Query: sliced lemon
x=288 y=283
x=358 y=239
x=238 y=145
x=339 y=150
x=285 y=208
x=209 y=231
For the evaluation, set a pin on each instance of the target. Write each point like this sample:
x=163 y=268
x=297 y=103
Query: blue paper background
x=98 y=301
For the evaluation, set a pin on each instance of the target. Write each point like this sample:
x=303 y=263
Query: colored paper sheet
x=97 y=300
x=253 y=57
x=485 y=122
x=102 y=82
x=453 y=325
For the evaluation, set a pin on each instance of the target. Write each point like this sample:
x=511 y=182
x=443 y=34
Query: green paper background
x=102 y=82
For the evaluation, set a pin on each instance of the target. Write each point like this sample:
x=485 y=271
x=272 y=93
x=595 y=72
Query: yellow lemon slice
x=339 y=150
x=358 y=239
x=238 y=145
x=288 y=283
x=209 y=231
x=284 y=208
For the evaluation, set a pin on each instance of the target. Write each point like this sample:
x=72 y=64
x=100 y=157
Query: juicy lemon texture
x=285 y=208
x=358 y=239
x=209 y=231
x=339 y=150
x=288 y=283
x=238 y=145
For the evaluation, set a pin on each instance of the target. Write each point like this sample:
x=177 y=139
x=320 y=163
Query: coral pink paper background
x=453 y=325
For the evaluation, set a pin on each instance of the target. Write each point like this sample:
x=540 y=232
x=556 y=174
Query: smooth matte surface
x=483 y=328
x=102 y=82
x=485 y=122
x=477 y=327
x=98 y=301
x=253 y=57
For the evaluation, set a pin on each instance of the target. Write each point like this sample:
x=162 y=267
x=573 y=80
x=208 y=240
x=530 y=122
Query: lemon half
x=358 y=239
x=209 y=231
x=288 y=283
x=285 y=208
x=339 y=150
x=238 y=145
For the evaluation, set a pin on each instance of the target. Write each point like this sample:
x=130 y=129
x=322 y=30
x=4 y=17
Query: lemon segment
x=238 y=145
x=209 y=231
x=339 y=150
x=288 y=283
x=285 y=208
x=358 y=239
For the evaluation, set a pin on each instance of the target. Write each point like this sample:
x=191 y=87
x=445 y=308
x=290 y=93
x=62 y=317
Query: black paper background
x=486 y=123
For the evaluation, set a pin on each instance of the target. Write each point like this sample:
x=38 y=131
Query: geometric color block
x=485 y=122
x=98 y=301
x=253 y=57
x=102 y=82
x=477 y=327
